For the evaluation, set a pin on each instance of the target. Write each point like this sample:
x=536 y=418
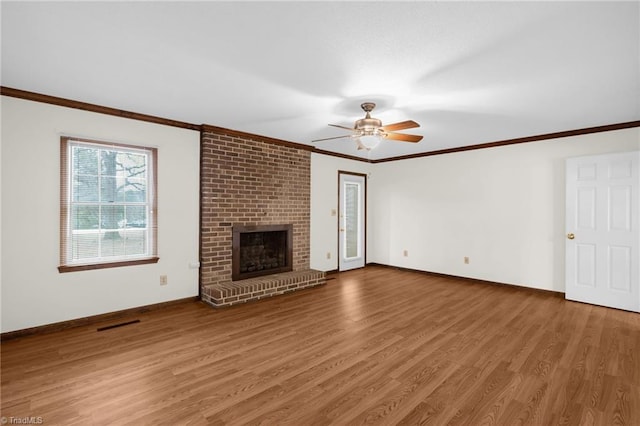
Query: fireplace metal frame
x=236 y=275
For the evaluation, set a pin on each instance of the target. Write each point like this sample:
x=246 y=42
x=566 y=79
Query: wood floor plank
x=374 y=346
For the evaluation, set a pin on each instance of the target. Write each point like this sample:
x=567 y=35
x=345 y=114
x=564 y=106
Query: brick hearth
x=250 y=182
x=233 y=292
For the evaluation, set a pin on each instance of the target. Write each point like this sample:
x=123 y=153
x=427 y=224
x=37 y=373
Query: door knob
x=570 y=236
x=341 y=230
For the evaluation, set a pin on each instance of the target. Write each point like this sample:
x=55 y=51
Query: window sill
x=76 y=268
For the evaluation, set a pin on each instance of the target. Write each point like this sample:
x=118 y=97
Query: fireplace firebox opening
x=261 y=250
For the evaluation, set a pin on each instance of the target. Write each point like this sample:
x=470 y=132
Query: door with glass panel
x=351 y=233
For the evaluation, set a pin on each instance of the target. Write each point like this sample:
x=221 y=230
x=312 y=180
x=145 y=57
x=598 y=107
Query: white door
x=351 y=234
x=602 y=245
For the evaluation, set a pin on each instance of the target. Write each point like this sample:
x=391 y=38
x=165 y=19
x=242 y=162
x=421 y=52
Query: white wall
x=502 y=207
x=324 y=200
x=33 y=291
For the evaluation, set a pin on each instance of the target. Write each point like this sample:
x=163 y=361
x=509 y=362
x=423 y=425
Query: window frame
x=65 y=207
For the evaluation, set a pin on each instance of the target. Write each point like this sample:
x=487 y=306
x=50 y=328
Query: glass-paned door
x=352 y=222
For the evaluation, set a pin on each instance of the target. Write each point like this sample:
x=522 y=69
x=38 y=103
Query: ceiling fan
x=369 y=131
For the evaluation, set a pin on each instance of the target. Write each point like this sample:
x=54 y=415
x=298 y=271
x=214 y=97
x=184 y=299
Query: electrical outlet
x=466 y=260
x=163 y=280
x=328 y=255
x=405 y=253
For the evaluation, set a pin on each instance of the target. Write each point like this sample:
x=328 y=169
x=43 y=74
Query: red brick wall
x=250 y=182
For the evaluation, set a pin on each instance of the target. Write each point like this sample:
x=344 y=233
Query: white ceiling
x=468 y=72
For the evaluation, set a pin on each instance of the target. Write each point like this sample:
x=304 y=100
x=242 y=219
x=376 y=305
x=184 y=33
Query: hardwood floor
x=375 y=345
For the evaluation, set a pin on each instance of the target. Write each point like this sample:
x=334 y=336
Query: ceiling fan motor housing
x=368 y=125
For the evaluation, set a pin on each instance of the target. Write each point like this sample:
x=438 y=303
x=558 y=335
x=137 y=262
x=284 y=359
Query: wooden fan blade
x=403 y=137
x=342 y=127
x=409 y=124
x=328 y=139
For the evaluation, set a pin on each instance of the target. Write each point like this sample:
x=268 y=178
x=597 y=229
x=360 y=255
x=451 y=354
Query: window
x=351 y=219
x=107 y=205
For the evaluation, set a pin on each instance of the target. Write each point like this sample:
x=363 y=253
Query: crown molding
x=274 y=141
x=536 y=138
x=347 y=156
x=37 y=97
x=260 y=138
x=69 y=103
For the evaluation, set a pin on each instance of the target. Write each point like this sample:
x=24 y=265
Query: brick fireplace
x=248 y=182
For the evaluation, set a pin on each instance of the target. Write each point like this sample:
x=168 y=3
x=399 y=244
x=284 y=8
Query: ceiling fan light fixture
x=370 y=141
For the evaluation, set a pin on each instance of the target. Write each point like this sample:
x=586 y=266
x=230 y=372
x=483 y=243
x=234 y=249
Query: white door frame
x=359 y=261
